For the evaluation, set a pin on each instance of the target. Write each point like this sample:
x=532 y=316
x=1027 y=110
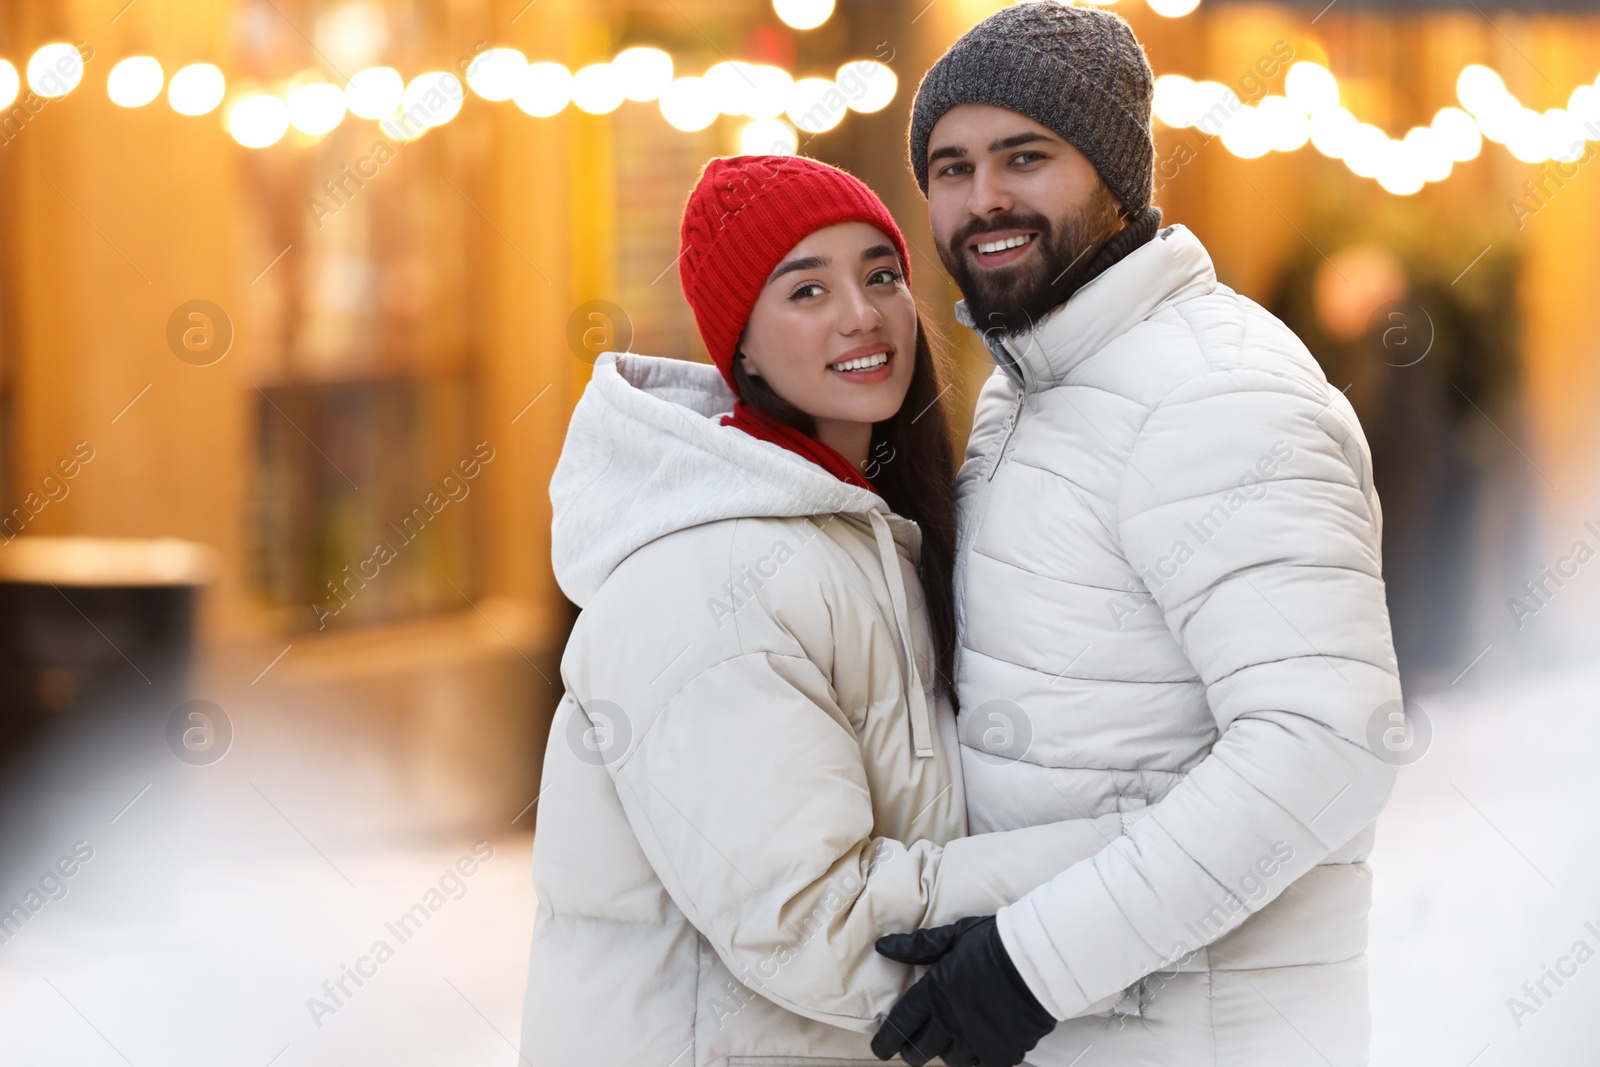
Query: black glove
x=971 y=1008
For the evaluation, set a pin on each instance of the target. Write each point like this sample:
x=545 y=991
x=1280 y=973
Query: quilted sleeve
x=1248 y=509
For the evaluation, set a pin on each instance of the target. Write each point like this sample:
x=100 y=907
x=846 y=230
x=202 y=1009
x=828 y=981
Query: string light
x=1332 y=129
x=316 y=108
x=1288 y=126
x=1459 y=136
x=494 y=74
x=1480 y=89
x=1246 y=134
x=1311 y=86
x=597 y=89
x=643 y=73
x=1309 y=111
x=768 y=137
x=1584 y=104
x=196 y=89
x=135 y=81
x=1365 y=150
x=730 y=84
x=1173 y=9
x=544 y=89
x=816 y=105
x=769 y=92
x=803 y=14
x=688 y=105
x=374 y=93
x=1429 y=153
x=55 y=70
x=760 y=92
x=1398 y=169
x=432 y=99
x=877 y=85
x=258 y=120
x=1171 y=99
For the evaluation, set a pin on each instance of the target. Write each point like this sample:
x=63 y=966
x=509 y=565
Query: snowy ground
x=217 y=902
x=1487 y=870
x=219 y=964
x=218 y=899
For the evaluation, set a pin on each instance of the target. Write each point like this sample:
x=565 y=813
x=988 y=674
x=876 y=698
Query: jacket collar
x=1173 y=266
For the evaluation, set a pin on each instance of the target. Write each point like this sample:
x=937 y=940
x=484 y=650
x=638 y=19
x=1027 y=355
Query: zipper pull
x=1011 y=425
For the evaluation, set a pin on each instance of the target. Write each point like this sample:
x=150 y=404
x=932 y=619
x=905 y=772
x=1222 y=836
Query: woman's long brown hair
x=912 y=465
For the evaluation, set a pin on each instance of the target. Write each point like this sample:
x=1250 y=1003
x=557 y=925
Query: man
x=1170 y=596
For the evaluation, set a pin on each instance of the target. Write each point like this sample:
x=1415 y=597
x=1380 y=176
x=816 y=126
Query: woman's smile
x=865 y=364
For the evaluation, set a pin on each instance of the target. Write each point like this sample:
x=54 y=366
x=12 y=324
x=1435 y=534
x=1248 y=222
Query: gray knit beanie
x=1077 y=70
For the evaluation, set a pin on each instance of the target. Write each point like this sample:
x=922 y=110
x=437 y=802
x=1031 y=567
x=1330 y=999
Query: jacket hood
x=646 y=455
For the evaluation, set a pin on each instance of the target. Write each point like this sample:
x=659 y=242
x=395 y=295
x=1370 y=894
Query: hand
x=971 y=1008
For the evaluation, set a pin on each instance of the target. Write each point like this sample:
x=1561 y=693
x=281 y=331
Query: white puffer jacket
x=1171 y=602
x=747 y=781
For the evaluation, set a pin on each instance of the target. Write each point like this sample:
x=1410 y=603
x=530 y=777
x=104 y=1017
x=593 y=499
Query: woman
x=753 y=772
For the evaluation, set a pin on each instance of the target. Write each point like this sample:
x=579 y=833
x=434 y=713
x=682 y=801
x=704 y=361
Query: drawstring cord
x=921 y=727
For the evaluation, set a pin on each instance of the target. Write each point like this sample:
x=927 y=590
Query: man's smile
x=1000 y=247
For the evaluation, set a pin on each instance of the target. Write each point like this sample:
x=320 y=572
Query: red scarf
x=760 y=424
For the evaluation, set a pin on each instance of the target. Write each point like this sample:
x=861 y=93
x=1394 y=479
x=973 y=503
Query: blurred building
x=325 y=304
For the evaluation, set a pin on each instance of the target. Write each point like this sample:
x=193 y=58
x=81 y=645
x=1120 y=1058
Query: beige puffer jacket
x=749 y=779
x=1171 y=599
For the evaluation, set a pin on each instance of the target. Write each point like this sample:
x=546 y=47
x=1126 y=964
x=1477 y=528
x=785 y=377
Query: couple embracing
x=1061 y=756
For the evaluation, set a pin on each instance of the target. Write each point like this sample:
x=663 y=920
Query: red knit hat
x=743 y=217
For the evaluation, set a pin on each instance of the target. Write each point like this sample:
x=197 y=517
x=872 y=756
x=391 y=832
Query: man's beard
x=1012 y=298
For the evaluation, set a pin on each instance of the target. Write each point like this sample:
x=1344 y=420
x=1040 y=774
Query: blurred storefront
x=339 y=346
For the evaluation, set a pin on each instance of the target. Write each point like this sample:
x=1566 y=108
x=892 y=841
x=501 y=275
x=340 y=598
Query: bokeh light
x=731 y=84
x=1173 y=9
x=1311 y=86
x=769 y=91
x=816 y=105
x=1429 y=153
x=768 y=137
x=1331 y=130
x=544 y=89
x=1398 y=170
x=258 y=120
x=1286 y=125
x=1171 y=100
x=877 y=85
x=803 y=14
x=688 y=105
x=374 y=93
x=432 y=99
x=135 y=81
x=196 y=89
x=1458 y=134
x=642 y=72
x=1364 y=149
x=597 y=89
x=495 y=74
x=1481 y=90
x=1248 y=134
x=316 y=108
x=55 y=70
